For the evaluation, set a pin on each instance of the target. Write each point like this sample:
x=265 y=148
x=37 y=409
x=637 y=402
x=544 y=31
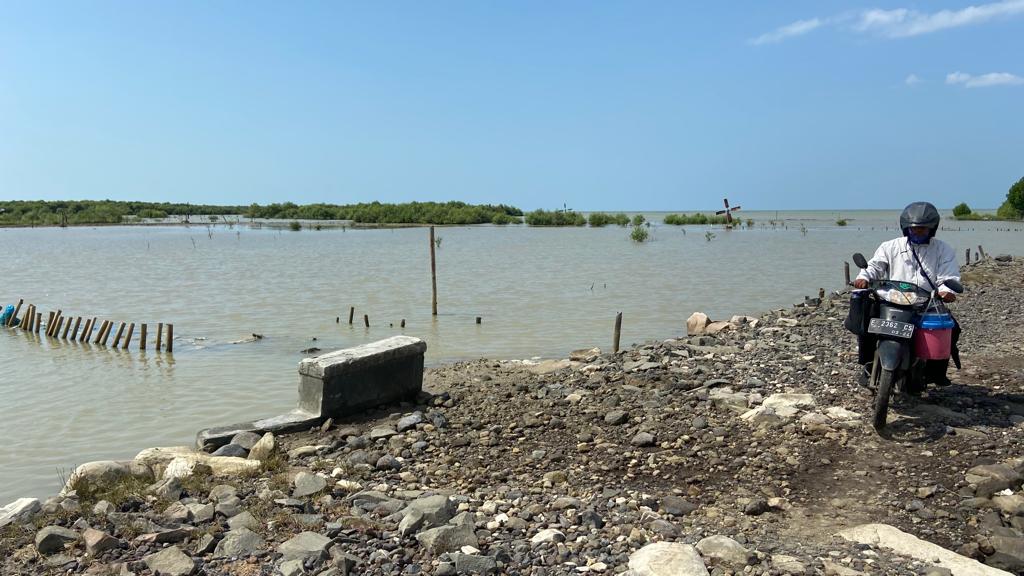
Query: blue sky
x=600 y=105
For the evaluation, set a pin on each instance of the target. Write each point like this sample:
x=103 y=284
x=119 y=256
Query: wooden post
x=10 y=321
x=351 y=313
x=403 y=322
x=337 y=319
x=39 y=321
x=478 y=319
x=67 y=328
x=49 y=322
x=99 y=335
x=618 y=331
x=25 y=319
x=982 y=252
x=967 y=257
x=159 y=335
x=120 y=332
x=74 y=333
x=366 y=320
x=170 y=337
x=821 y=293
x=58 y=321
x=433 y=275
x=128 y=338
x=142 y=337
x=846 y=272
x=87 y=331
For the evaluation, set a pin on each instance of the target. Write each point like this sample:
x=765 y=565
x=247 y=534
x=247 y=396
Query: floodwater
x=538 y=292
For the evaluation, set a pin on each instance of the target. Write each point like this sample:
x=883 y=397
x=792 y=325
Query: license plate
x=891 y=328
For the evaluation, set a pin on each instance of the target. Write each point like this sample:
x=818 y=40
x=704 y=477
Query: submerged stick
x=433 y=276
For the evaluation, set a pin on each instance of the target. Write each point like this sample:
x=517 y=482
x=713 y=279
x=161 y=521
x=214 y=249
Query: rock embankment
x=742 y=451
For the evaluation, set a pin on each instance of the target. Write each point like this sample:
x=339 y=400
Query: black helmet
x=920 y=214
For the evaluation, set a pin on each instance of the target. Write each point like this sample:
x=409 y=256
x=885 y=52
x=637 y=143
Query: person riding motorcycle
x=922 y=259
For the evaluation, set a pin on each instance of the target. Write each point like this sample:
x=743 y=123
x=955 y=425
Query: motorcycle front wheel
x=882 y=394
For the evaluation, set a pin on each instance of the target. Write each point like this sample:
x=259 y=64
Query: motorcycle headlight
x=900 y=297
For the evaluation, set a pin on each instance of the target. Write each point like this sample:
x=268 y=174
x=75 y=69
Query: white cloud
x=901 y=22
x=985 y=80
x=912 y=79
x=798 y=28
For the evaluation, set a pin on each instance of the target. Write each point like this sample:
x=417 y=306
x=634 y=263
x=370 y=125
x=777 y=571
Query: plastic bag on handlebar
x=859 y=315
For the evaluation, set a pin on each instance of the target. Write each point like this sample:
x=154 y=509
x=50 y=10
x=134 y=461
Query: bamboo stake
x=87 y=331
x=10 y=321
x=67 y=328
x=24 y=319
x=106 y=333
x=366 y=320
x=128 y=338
x=433 y=275
x=74 y=332
x=982 y=251
x=33 y=315
x=57 y=323
x=351 y=313
x=159 y=334
x=39 y=321
x=618 y=331
x=142 y=337
x=170 y=337
x=403 y=322
x=120 y=331
x=967 y=256
x=846 y=272
x=49 y=322
x=103 y=328
x=478 y=319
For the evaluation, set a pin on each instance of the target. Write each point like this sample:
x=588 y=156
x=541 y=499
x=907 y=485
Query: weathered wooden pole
x=366 y=320
x=982 y=252
x=58 y=321
x=967 y=256
x=433 y=275
x=39 y=321
x=128 y=338
x=142 y=337
x=49 y=322
x=99 y=335
x=10 y=321
x=351 y=313
x=846 y=272
x=403 y=322
x=87 y=331
x=618 y=332
x=478 y=319
x=120 y=332
x=67 y=328
x=159 y=335
x=74 y=333
x=24 y=319
x=170 y=337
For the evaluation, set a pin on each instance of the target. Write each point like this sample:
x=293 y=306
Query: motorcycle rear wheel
x=882 y=395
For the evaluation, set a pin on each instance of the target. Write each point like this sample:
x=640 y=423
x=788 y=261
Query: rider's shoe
x=943 y=381
x=864 y=378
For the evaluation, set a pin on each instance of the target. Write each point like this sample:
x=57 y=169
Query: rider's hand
x=947 y=296
x=860 y=283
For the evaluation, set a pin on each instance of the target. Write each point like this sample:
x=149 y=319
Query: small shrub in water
x=639 y=234
x=294 y=226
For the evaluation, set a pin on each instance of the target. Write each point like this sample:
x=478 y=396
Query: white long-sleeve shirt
x=894 y=261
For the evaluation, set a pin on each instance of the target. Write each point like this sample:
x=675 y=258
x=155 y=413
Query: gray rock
x=229 y=508
x=382 y=432
x=21 y=510
x=724 y=551
x=170 y=562
x=266 y=446
x=178 y=512
x=388 y=462
x=566 y=502
x=307 y=484
x=201 y=512
x=291 y=568
x=166 y=489
x=667 y=559
x=231 y=450
x=97 y=541
x=756 y=507
x=409 y=422
x=664 y=528
x=103 y=508
x=447 y=538
x=244 y=520
x=676 y=506
x=616 y=417
x=222 y=492
x=1008 y=555
x=241 y=542
x=473 y=564
x=643 y=439
x=304 y=546
x=245 y=439
x=435 y=510
x=52 y=539
x=206 y=544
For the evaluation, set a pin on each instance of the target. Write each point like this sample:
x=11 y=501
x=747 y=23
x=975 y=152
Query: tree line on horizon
x=1011 y=209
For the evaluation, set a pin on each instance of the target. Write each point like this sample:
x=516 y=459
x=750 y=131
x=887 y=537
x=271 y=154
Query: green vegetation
x=598 y=219
x=639 y=233
x=56 y=213
x=555 y=218
x=1013 y=208
x=294 y=226
x=698 y=218
x=709 y=236
x=502 y=219
x=961 y=210
x=638 y=220
x=841 y=222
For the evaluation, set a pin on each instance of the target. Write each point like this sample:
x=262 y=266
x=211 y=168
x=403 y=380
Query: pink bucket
x=932 y=344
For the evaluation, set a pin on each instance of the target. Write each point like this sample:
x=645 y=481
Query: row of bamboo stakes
x=66 y=328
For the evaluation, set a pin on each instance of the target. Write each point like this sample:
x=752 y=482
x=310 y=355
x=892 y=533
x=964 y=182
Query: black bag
x=859 y=316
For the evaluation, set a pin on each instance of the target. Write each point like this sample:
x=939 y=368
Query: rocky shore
x=746 y=449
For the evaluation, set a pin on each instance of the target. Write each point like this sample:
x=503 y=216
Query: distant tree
x=1008 y=212
x=961 y=210
x=1015 y=196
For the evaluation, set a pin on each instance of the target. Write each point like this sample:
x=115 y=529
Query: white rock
x=20 y=510
x=908 y=545
x=667 y=559
x=696 y=323
x=157 y=459
x=790 y=400
x=107 y=471
x=548 y=535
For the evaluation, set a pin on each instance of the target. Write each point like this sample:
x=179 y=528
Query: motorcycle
x=911 y=326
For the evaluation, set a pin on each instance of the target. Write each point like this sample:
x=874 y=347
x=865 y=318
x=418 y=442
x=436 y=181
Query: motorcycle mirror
x=859 y=260
x=954 y=285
